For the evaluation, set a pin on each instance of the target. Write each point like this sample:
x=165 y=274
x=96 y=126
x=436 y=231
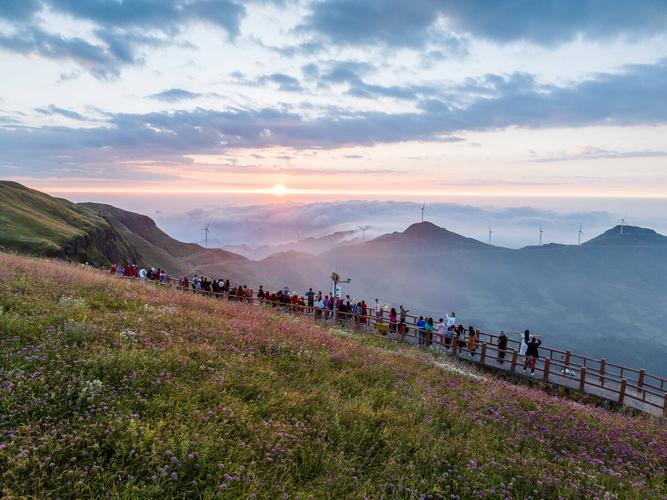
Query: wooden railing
x=598 y=377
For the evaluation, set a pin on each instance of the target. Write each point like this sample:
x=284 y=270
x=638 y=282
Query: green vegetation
x=33 y=222
x=113 y=389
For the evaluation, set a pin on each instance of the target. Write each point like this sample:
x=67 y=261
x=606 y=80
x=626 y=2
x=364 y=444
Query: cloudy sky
x=331 y=99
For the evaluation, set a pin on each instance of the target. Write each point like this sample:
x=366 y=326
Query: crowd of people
x=134 y=271
x=447 y=333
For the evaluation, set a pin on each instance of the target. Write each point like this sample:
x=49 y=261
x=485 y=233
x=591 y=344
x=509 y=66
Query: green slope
x=111 y=389
x=38 y=224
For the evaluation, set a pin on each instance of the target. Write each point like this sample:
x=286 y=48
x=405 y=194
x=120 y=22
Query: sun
x=279 y=190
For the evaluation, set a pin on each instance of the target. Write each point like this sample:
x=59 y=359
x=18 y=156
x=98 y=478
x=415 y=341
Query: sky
x=552 y=104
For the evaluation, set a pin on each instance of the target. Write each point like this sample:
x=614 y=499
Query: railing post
x=483 y=354
x=602 y=366
x=514 y=355
x=621 y=395
x=640 y=382
x=567 y=358
x=547 y=367
x=582 y=380
x=664 y=406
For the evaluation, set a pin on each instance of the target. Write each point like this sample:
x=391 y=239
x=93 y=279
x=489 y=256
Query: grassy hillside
x=36 y=223
x=114 y=389
x=156 y=246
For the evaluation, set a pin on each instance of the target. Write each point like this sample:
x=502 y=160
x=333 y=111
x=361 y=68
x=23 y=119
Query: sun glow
x=279 y=190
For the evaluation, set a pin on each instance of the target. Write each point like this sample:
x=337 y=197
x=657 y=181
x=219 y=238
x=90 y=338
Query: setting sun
x=279 y=190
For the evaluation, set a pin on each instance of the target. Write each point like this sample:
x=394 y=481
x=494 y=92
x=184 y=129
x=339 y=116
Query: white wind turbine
x=490 y=233
x=363 y=230
x=541 y=234
x=206 y=230
x=580 y=233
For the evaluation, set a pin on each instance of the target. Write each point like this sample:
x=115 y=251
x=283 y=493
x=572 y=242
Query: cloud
x=96 y=58
x=55 y=110
x=351 y=73
x=19 y=10
x=637 y=95
x=167 y=16
x=175 y=95
x=119 y=28
x=285 y=82
x=593 y=153
x=275 y=223
x=388 y=22
x=396 y=23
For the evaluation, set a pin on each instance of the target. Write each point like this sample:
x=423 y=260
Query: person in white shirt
x=378 y=311
x=451 y=319
x=524 y=343
x=142 y=274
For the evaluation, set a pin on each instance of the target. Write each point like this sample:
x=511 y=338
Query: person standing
x=502 y=346
x=421 y=326
x=451 y=320
x=378 y=311
x=429 y=332
x=392 y=320
x=524 y=343
x=403 y=317
x=440 y=332
x=310 y=295
x=473 y=340
x=532 y=354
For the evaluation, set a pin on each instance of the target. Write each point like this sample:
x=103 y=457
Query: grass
x=112 y=389
x=35 y=223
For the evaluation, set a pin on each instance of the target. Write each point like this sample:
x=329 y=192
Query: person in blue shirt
x=421 y=325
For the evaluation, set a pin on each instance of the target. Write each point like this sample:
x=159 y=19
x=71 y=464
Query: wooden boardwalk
x=597 y=377
x=612 y=382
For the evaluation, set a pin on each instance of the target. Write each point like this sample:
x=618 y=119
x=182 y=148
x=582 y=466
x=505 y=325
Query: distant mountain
x=35 y=223
x=423 y=236
x=628 y=236
x=311 y=245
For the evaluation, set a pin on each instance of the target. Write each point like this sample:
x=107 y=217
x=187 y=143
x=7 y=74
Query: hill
x=155 y=246
x=628 y=236
x=423 y=237
x=113 y=389
x=34 y=223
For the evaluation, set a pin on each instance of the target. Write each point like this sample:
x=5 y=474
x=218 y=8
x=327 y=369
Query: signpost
x=336 y=290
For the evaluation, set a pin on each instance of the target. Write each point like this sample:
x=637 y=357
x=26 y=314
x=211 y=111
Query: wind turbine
x=423 y=210
x=541 y=234
x=622 y=225
x=490 y=233
x=580 y=233
x=206 y=230
x=363 y=232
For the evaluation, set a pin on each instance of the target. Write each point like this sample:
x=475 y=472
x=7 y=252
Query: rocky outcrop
x=102 y=246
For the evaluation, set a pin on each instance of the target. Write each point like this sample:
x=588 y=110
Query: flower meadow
x=117 y=389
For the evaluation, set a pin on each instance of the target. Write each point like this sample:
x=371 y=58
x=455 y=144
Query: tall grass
x=175 y=395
